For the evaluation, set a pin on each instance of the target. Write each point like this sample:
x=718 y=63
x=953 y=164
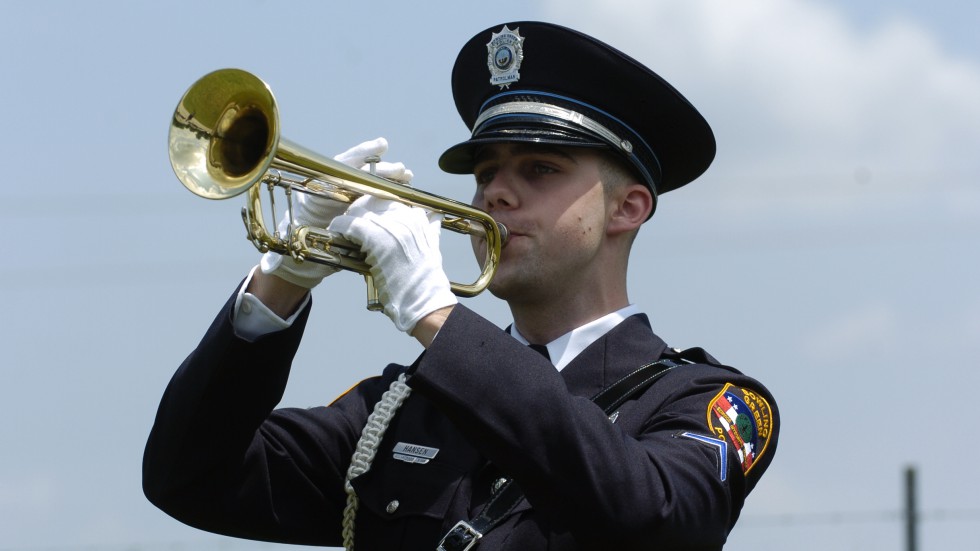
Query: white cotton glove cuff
x=306 y=274
x=402 y=247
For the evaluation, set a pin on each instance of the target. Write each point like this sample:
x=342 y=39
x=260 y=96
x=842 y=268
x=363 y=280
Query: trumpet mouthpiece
x=504 y=234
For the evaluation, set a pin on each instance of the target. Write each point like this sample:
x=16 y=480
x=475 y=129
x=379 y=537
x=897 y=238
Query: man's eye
x=544 y=169
x=485 y=176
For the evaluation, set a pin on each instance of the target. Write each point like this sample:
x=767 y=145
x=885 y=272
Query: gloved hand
x=402 y=248
x=357 y=157
x=311 y=210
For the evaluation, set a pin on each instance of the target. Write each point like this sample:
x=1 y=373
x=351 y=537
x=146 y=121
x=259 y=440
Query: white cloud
x=793 y=89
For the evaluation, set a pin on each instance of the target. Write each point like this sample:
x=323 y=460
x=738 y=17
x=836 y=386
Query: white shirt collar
x=565 y=348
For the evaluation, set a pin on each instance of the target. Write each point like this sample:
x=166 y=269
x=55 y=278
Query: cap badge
x=505 y=51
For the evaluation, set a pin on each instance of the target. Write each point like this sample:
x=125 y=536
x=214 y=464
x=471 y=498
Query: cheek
x=579 y=235
x=585 y=221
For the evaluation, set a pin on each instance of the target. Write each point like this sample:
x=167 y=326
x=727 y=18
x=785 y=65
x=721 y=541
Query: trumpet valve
x=372 y=163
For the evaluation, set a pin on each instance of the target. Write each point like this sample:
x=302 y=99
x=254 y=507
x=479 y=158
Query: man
x=572 y=144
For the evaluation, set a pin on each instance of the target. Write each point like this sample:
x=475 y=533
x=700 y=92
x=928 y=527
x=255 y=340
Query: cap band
x=547 y=110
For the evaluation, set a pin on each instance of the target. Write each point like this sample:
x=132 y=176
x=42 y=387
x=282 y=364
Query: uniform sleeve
x=661 y=473
x=220 y=458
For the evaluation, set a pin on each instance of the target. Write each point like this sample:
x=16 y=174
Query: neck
x=544 y=321
x=548 y=307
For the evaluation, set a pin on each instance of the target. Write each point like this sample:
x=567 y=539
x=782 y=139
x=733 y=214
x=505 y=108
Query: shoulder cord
x=367 y=447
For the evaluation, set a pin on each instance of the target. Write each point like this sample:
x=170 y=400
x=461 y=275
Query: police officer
x=483 y=441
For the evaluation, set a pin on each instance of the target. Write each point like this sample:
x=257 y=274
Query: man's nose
x=499 y=193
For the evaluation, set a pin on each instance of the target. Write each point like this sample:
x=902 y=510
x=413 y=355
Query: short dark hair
x=615 y=171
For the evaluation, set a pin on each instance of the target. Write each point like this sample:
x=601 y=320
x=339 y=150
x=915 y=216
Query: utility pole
x=911 y=515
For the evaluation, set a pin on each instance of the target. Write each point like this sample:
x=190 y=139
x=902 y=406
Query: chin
x=515 y=285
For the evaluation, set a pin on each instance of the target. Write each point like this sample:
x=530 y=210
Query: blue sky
x=830 y=251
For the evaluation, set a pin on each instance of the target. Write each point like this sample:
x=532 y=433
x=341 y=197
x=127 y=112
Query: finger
x=343 y=225
x=373 y=205
x=366 y=232
x=357 y=155
x=318 y=207
x=364 y=209
x=435 y=218
x=392 y=171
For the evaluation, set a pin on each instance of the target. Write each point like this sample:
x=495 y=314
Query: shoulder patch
x=744 y=418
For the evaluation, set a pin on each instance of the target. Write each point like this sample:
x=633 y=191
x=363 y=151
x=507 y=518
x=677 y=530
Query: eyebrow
x=491 y=153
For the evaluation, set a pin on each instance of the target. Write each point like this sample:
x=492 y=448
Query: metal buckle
x=462 y=537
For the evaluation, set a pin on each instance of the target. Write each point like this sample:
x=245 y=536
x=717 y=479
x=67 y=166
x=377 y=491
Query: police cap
x=543 y=83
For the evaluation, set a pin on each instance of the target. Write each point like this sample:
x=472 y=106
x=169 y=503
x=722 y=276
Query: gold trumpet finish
x=225 y=140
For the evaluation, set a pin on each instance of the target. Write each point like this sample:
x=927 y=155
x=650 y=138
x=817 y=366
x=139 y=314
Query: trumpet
x=225 y=140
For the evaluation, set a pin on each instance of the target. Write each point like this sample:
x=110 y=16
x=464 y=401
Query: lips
x=512 y=236
x=513 y=228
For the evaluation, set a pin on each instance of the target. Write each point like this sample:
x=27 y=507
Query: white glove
x=358 y=155
x=312 y=210
x=402 y=248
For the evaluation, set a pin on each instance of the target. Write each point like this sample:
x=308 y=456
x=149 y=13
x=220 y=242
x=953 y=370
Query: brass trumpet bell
x=224 y=134
x=225 y=141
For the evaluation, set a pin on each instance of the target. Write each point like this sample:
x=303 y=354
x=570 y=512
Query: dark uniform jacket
x=672 y=471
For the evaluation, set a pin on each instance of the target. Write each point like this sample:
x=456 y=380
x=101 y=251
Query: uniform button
x=392 y=507
x=246 y=308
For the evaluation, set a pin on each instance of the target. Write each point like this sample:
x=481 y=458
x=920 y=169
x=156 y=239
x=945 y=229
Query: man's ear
x=631 y=208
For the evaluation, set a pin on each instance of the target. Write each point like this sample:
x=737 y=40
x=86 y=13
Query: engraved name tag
x=414 y=453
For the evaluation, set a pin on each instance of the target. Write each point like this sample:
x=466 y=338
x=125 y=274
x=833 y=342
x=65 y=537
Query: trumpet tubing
x=225 y=141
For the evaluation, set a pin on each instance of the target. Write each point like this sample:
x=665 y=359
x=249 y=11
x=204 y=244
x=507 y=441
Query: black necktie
x=540 y=349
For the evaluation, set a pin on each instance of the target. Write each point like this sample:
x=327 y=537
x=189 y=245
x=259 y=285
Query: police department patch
x=744 y=418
